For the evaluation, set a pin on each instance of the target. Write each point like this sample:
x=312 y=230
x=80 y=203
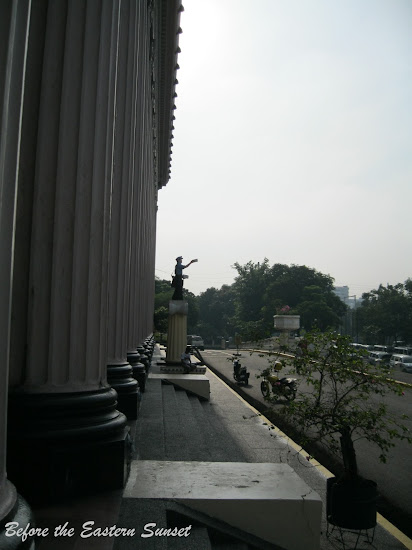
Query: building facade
x=87 y=107
x=342 y=292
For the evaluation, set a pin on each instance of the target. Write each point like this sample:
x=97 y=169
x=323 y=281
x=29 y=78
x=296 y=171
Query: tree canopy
x=342 y=400
x=260 y=291
x=385 y=314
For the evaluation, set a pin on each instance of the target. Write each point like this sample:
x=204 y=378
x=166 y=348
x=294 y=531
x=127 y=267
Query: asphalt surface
x=394 y=478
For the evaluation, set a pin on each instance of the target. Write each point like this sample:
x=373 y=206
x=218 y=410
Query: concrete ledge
x=196 y=383
x=178 y=369
x=259 y=498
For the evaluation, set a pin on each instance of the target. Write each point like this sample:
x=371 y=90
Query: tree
x=320 y=309
x=216 y=311
x=163 y=294
x=345 y=401
x=161 y=319
x=385 y=314
x=249 y=289
x=261 y=290
x=193 y=314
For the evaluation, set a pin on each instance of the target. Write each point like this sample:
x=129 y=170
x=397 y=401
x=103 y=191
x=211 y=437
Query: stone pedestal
x=177 y=331
x=286 y=324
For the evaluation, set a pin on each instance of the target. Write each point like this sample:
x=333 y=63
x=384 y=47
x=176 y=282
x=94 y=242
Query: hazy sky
x=292 y=141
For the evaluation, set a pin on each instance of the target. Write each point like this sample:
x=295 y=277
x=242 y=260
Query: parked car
x=402 y=350
x=404 y=362
x=196 y=342
x=386 y=349
x=379 y=358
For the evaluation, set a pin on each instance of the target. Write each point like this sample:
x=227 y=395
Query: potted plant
x=340 y=400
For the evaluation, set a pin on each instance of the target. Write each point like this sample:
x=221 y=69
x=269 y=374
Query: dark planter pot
x=351 y=504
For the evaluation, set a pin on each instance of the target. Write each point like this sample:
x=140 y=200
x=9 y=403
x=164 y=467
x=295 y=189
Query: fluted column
x=129 y=68
x=62 y=410
x=177 y=331
x=119 y=370
x=14 y=25
x=144 y=202
x=135 y=176
x=138 y=179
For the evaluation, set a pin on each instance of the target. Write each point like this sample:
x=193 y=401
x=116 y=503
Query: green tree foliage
x=343 y=400
x=161 y=319
x=385 y=314
x=216 y=311
x=320 y=309
x=163 y=294
x=261 y=290
x=250 y=290
x=193 y=315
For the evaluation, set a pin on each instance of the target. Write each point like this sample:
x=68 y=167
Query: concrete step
x=199 y=425
x=221 y=445
x=194 y=426
x=173 y=424
x=222 y=536
x=231 y=546
x=145 y=516
x=165 y=413
x=181 y=425
x=198 y=384
x=168 y=417
x=258 y=498
x=139 y=515
x=149 y=431
x=198 y=540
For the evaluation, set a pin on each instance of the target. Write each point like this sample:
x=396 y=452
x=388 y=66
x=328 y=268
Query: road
x=394 y=478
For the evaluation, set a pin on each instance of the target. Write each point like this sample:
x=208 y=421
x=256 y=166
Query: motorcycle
x=272 y=384
x=240 y=373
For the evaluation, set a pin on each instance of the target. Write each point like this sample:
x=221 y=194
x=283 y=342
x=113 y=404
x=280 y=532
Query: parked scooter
x=285 y=387
x=240 y=373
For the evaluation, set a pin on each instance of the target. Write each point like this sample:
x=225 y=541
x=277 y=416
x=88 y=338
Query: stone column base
x=20 y=513
x=120 y=377
x=67 y=445
x=139 y=370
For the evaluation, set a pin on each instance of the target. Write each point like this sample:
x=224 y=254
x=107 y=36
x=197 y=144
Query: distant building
x=342 y=292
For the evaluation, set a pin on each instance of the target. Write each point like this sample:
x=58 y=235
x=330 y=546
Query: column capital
x=178 y=307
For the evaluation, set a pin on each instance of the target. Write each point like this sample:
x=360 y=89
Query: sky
x=292 y=141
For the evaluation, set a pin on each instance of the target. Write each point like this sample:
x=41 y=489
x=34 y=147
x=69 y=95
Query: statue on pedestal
x=177 y=280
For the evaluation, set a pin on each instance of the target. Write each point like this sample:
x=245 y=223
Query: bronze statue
x=177 y=280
